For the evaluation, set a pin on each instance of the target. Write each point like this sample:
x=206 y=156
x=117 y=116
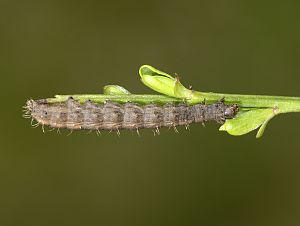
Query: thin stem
x=282 y=103
x=102 y=98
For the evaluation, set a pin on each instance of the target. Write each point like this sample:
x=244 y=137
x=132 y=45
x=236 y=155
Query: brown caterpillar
x=113 y=116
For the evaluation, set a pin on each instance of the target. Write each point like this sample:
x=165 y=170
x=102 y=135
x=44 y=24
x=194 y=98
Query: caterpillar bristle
x=154 y=133
x=175 y=129
x=157 y=131
x=118 y=132
x=138 y=132
x=98 y=132
x=51 y=129
x=69 y=134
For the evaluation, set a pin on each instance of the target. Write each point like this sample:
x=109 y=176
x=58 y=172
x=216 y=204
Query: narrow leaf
x=261 y=130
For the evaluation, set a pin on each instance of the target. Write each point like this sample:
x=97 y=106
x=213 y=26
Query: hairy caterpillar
x=113 y=116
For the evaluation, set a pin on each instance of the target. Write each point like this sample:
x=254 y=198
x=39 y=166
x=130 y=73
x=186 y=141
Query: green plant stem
x=283 y=104
x=102 y=98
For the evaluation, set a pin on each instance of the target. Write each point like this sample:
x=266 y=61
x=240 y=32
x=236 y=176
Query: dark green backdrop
x=196 y=177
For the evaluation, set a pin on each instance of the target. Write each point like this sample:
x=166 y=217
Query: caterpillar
x=131 y=116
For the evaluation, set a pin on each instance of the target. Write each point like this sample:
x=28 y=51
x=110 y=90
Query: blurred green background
x=197 y=177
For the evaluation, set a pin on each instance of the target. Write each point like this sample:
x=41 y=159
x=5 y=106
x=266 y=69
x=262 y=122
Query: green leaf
x=157 y=80
x=149 y=70
x=163 y=82
x=160 y=84
x=248 y=121
x=115 y=90
x=181 y=92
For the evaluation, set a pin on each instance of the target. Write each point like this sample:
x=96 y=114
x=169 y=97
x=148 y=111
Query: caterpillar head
x=230 y=111
x=38 y=110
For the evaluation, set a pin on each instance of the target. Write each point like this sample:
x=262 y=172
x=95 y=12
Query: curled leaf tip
x=163 y=82
x=149 y=70
x=157 y=80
